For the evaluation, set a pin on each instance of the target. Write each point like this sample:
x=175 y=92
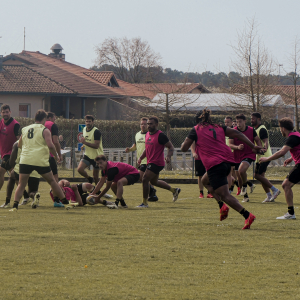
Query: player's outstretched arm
x=99 y=185
x=232 y=133
x=13 y=155
x=106 y=189
x=185 y=146
x=131 y=149
x=48 y=140
x=276 y=155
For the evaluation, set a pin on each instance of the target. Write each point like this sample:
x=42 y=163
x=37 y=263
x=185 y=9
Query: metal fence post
x=132 y=141
x=73 y=151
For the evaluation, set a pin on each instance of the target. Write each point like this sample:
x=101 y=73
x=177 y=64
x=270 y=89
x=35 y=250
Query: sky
x=190 y=35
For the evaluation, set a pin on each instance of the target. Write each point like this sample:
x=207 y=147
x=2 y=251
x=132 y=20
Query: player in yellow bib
x=35 y=143
x=92 y=143
x=139 y=147
x=261 y=168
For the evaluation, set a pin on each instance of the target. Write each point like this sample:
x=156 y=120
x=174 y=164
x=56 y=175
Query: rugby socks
x=117 y=201
x=245 y=213
x=104 y=202
x=122 y=201
x=172 y=190
x=273 y=188
x=90 y=180
x=25 y=194
x=236 y=183
x=220 y=203
x=201 y=192
x=145 y=201
x=231 y=188
x=249 y=183
x=151 y=192
x=245 y=185
x=7 y=200
x=291 y=210
x=63 y=201
x=16 y=204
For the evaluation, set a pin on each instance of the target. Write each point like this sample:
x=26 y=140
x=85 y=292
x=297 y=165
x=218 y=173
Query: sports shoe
x=36 y=200
x=25 y=201
x=238 y=191
x=287 y=216
x=209 y=195
x=275 y=195
x=267 y=200
x=142 y=206
x=108 y=196
x=201 y=195
x=112 y=206
x=224 y=212
x=14 y=209
x=252 y=187
x=71 y=205
x=246 y=199
x=249 y=221
x=175 y=194
x=153 y=199
x=58 y=204
x=4 y=205
x=244 y=191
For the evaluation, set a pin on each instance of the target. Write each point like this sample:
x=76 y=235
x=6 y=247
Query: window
x=24 y=110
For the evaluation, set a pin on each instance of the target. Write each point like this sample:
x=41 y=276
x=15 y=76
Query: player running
x=50 y=124
x=9 y=134
x=92 y=142
x=243 y=154
x=261 y=168
x=156 y=141
x=117 y=175
x=292 y=144
x=139 y=146
x=217 y=159
x=35 y=143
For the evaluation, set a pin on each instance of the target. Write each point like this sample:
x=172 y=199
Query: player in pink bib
x=217 y=158
x=292 y=144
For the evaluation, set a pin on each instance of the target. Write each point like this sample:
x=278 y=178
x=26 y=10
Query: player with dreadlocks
x=217 y=159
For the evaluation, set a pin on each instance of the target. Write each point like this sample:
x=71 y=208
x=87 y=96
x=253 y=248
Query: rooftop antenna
x=24 y=39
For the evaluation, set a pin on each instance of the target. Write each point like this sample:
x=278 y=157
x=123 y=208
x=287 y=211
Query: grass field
x=169 y=251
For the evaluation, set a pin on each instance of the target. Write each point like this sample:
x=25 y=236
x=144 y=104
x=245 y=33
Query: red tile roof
x=103 y=77
x=22 y=79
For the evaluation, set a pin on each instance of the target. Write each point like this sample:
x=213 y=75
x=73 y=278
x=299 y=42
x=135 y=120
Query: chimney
x=1 y=63
x=57 y=52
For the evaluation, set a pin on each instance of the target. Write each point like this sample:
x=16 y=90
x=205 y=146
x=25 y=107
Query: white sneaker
x=287 y=216
x=246 y=199
x=175 y=194
x=244 y=191
x=267 y=200
x=142 y=206
x=252 y=187
x=112 y=206
x=36 y=200
x=275 y=195
x=25 y=201
x=4 y=205
x=108 y=196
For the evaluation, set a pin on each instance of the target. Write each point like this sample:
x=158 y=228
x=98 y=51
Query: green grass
x=170 y=251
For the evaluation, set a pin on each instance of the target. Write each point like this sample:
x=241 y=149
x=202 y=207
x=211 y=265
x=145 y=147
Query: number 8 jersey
x=35 y=151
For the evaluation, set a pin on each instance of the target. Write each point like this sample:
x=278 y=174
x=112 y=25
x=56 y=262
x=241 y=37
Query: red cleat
x=238 y=191
x=201 y=195
x=249 y=221
x=224 y=212
x=209 y=196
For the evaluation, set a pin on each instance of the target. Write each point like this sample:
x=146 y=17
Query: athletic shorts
x=33 y=182
x=143 y=167
x=261 y=168
x=154 y=168
x=82 y=194
x=294 y=175
x=132 y=178
x=53 y=165
x=28 y=169
x=218 y=175
x=248 y=160
x=5 y=163
x=199 y=168
x=89 y=162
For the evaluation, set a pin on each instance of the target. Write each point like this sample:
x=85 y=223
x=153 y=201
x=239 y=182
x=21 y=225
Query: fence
x=182 y=165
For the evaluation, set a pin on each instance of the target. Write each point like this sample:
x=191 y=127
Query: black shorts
x=89 y=162
x=218 y=175
x=294 y=175
x=5 y=163
x=28 y=169
x=261 y=168
x=132 y=178
x=248 y=160
x=53 y=165
x=154 y=168
x=33 y=183
x=82 y=194
x=143 y=167
x=199 y=168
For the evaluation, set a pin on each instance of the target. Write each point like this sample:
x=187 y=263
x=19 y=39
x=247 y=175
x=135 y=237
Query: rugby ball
x=90 y=200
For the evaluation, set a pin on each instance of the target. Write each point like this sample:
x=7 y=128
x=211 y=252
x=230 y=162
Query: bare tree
x=132 y=60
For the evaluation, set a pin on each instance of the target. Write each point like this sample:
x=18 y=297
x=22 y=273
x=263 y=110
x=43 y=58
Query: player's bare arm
x=95 y=145
x=131 y=149
x=48 y=140
x=14 y=154
x=287 y=161
x=193 y=149
x=64 y=183
x=235 y=147
x=276 y=155
x=99 y=185
x=57 y=146
x=170 y=147
x=106 y=189
x=20 y=142
x=185 y=146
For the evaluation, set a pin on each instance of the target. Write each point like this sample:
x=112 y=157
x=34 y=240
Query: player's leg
x=81 y=170
x=244 y=166
x=9 y=189
x=53 y=167
x=33 y=187
x=152 y=191
x=23 y=180
x=2 y=173
x=78 y=198
x=201 y=186
x=96 y=171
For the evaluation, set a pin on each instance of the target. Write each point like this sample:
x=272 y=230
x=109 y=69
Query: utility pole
x=280 y=65
x=24 y=39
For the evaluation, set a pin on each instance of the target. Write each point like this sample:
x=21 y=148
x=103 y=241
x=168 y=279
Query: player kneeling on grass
x=116 y=175
x=292 y=144
x=217 y=159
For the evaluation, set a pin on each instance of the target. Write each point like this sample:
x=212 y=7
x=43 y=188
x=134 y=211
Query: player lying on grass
x=116 y=175
x=33 y=181
x=292 y=144
x=218 y=159
x=77 y=193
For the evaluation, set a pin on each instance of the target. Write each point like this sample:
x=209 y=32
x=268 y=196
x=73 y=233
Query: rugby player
x=9 y=134
x=261 y=168
x=156 y=141
x=116 y=175
x=35 y=143
x=217 y=159
x=243 y=154
x=50 y=124
x=139 y=147
x=92 y=142
x=292 y=144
